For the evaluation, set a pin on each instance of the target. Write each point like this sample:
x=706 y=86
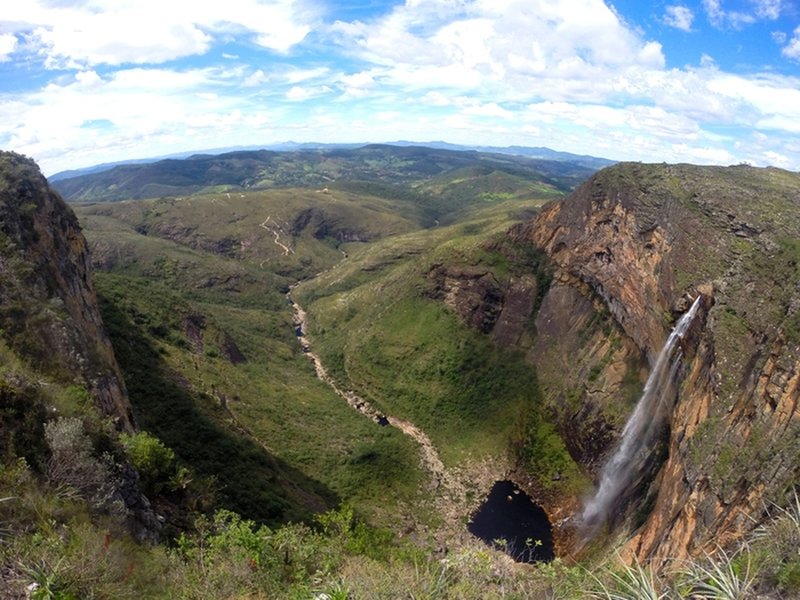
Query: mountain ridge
x=532 y=152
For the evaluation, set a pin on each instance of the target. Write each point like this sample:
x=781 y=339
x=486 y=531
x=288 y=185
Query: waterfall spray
x=640 y=429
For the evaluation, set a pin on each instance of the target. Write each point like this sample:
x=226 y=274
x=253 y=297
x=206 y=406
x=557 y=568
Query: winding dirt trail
x=429 y=455
x=455 y=493
x=276 y=232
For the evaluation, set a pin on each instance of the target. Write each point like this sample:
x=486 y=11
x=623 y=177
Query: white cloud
x=768 y=9
x=792 y=48
x=512 y=47
x=299 y=75
x=766 y=97
x=255 y=79
x=151 y=31
x=701 y=155
x=653 y=121
x=757 y=10
x=569 y=74
x=490 y=109
x=679 y=17
x=298 y=93
x=8 y=43
x=134 y=112
x=435 y=99
x=776 y=158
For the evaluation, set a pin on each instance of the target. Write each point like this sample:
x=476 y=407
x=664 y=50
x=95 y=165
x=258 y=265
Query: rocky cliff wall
x=630 y=248
x=48 y=307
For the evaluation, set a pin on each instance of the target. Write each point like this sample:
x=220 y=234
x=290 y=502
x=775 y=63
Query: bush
x=154 y=461
x=74 y=469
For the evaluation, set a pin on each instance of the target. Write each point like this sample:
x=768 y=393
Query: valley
x=278 y=412
x=343 y=370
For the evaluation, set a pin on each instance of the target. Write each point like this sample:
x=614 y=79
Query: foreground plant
x=630 y=582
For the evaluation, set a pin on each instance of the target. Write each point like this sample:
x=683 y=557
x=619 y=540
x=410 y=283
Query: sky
x=84 y=82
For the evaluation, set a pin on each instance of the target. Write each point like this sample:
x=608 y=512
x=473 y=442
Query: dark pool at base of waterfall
x=509 y=520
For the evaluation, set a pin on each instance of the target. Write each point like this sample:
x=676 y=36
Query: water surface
x=509 y=520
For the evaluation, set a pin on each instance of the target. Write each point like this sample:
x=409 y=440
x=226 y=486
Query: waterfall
x=644 y=423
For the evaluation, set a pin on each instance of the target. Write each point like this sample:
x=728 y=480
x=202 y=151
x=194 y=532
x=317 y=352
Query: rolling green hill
x=201 y=282
x=262 y=169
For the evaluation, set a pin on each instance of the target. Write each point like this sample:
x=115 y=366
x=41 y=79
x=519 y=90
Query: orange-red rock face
x=640 y=240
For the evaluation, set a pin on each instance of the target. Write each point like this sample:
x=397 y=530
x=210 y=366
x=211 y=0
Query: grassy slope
x=378 y=329
x=298 y=432
x=74 y=556
x=379 y=333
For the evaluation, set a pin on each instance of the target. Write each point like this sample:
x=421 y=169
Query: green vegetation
x=56 y=549
x=763 y=564
x=378 y=328
x=155 y=462
x=268 y=483
x=236 y=172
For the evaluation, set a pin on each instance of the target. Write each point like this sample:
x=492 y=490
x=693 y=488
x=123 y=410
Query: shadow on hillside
x=253 y=483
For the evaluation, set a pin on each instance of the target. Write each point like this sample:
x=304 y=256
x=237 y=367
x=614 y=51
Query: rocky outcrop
x=630 y=247
x=200 y=333
x=518 y=304
x=48 y=307
x=472 y=292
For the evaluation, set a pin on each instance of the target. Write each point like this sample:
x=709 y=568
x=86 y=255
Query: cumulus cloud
x=752 y=12
x=679 y=17
x=8 y=43
x=299 y=93
x=500 y=44
x=792 y=47
x=768 y=9
x=255 y=79
x=151 y=31
x=569 y=74
x=154 y=110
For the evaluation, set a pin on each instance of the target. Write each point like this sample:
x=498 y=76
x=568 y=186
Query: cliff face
x=48 y=307
x=631 y=247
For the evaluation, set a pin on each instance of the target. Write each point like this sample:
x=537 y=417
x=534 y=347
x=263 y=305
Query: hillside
x=328 y=382
x=210 y=274
x=631 y=246
x=542 y=153
x=263 y=169
x=48 y=309
x=626 y=253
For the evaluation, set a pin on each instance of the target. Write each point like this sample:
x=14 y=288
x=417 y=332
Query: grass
x=165 y=260
x=299 y=448
x=378 y=328
x=281 y=445
x=273 y=399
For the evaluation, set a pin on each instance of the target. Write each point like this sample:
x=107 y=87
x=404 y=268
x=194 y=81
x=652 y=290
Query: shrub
x=154 y=461
x=73 y=468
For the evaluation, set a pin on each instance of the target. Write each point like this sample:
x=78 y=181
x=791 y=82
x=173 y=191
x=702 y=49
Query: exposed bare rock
x=518 y=304
x=48 y=306
x=229 y=350
x=632 y=246
x=472 y=292
x=193 y=325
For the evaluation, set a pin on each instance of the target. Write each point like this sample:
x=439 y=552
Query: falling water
x=640 y=429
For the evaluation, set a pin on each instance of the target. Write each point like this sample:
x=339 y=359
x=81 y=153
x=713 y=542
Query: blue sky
x=709 y=82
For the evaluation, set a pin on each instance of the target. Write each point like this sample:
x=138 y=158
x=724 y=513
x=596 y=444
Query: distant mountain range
x=541 y=152
x=304 y=165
